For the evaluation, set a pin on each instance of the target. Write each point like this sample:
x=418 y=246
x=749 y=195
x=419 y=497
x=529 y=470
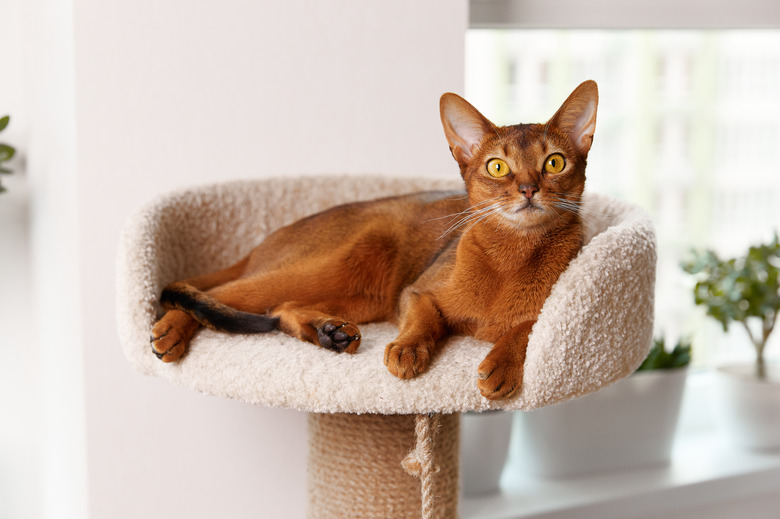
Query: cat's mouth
x=527 y=205
x=525 y=213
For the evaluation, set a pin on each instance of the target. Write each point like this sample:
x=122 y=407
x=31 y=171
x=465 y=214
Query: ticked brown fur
x=436 y=263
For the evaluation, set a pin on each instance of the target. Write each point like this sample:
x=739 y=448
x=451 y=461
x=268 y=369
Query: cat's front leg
x=422 y=325
x=500 y=375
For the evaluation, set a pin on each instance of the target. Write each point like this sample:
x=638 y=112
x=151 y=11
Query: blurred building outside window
x=688 y=128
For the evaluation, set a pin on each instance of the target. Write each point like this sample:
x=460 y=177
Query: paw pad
x=336 y=337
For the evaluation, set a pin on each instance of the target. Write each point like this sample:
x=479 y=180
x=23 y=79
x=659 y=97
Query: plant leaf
x=740 y=288
x=659 y=358
x=4 y=122
x=6 y=152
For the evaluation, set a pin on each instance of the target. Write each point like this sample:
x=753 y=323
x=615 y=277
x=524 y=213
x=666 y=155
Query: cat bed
x=595 y=328
x=380 y=446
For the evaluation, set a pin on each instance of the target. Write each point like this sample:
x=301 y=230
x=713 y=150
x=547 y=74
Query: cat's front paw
x=499 y=377
x=168 y=342
x=406 y=360
x=339 y=336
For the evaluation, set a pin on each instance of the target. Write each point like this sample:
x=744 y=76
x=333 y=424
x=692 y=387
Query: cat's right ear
x=464 y=127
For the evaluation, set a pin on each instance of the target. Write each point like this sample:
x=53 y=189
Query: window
x=688 y=128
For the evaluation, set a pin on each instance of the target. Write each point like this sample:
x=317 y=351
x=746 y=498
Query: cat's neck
x=507 y=248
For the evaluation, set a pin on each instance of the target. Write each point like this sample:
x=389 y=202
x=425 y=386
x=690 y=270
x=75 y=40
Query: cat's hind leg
x=317 y=325
x=331 y=324
x=171 y=335
x=219 y=277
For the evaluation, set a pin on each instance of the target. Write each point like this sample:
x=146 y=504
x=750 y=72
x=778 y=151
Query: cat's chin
x=526 y=218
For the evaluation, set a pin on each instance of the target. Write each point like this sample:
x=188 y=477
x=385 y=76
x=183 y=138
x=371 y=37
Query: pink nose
x=528 y=190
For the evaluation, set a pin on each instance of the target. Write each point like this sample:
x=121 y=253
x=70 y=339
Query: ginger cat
x=436 y=263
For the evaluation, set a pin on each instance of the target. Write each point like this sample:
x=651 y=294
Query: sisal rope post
x=382 y=466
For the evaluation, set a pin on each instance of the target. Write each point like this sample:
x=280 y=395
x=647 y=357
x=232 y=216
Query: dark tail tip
x=213 y=314
x=244 y=322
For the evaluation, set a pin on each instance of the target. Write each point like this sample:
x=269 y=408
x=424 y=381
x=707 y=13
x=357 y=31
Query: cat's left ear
x=464 y=127
x=577 y=116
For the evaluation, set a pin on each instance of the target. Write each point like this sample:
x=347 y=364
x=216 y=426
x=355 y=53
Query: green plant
x=744 y=289
x=660 y=358
x=6 y=151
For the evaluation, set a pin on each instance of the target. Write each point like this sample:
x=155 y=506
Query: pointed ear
x=464 y=126
x=577 y=116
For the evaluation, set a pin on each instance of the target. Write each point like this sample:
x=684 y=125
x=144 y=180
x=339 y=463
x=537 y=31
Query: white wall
x=182 y=92
x=19 y=418
x=42 y=454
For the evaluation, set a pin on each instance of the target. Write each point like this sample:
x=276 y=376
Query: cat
x=479 y=263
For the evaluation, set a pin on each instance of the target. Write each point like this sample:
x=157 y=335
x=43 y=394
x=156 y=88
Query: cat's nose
x=528 y=190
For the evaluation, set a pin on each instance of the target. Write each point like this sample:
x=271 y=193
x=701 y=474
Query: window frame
x=617 y=14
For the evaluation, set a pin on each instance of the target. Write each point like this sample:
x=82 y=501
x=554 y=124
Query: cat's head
x=527 y=175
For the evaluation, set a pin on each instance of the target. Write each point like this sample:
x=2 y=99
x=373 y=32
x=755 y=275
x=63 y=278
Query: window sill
x=705 y=473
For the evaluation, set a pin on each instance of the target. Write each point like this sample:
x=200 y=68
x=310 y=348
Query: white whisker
x=575 y=207
x=474 y=216
x=471 y=215
x=467 y=210
x=553 y=208
x=482 y=218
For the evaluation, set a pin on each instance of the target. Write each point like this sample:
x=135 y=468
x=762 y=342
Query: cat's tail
x=212 y=313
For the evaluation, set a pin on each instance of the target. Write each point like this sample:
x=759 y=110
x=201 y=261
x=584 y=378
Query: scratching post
x=380 y=447
x=378 y=466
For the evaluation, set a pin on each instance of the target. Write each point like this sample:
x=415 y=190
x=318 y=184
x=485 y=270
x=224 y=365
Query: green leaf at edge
x=6 y=152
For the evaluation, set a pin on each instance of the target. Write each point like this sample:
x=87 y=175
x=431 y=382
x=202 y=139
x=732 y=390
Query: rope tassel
x=420 y=461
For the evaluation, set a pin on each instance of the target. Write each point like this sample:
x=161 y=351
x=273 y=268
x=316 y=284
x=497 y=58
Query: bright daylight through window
x=688 y=128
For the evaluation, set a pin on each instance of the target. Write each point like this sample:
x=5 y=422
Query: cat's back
x=422 y=209
x=416 y=224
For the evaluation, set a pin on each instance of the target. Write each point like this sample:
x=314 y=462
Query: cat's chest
x=496 y=282
x=485 y=301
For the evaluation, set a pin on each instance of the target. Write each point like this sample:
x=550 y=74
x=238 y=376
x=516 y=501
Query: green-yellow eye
x=497 y=168
x=554 y=163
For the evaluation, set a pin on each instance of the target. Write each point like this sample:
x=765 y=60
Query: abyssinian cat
x=436 y=263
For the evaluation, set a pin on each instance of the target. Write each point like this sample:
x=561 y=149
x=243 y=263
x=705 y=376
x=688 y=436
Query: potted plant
x=744 y=290
x=628 y=424
x=484 y=445
x=6 y=151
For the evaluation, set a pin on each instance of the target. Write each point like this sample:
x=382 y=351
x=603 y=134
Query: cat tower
x=379 y=446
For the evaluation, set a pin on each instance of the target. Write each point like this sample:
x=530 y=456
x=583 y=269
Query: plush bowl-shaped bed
x=594 y=329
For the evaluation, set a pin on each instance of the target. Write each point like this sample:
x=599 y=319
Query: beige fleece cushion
x=595 y=328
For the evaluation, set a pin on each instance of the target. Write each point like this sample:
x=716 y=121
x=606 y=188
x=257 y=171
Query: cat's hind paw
x=339 y=336
x=167 y=343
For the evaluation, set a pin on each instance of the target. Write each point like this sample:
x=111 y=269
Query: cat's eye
x=497 y=168
x=554 y=163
